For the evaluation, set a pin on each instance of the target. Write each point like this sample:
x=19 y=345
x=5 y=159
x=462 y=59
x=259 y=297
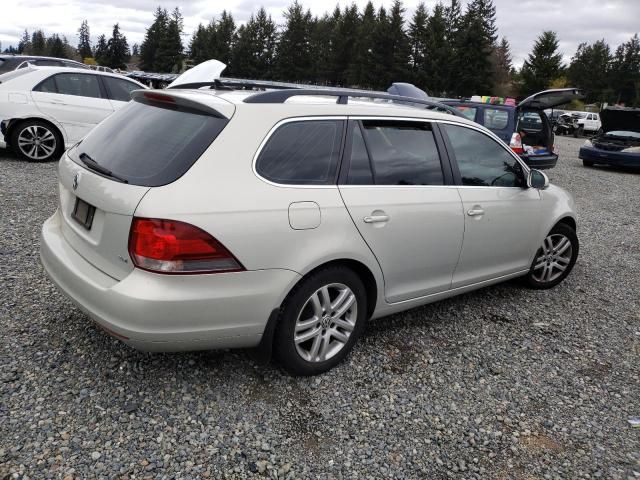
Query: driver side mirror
x=537 y=179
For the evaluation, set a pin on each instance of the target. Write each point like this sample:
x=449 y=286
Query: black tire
x=49 y=141
x=532 y=279
x=587 y=163
x=297 y=303
x=578 y=132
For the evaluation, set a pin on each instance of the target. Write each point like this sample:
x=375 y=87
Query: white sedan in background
x=43 y=110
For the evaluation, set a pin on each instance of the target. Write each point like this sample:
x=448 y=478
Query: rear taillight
x=516 y=143
x=169 y=246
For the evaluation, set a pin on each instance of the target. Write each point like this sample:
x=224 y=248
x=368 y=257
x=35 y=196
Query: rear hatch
x=150 y=142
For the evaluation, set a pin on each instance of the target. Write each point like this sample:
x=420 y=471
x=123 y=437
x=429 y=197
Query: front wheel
x=320 y=322
x=554 y=259
x=587 y=163
x=36 y=141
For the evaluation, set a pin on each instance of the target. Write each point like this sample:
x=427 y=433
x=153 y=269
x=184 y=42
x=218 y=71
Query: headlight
x=632 y=150
x=587 y=143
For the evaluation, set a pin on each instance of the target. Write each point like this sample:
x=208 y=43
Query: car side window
x=47 y=86
x=118 y=89
x=402 y=153
x=496 y=119
x=79 y=84
x=47 y=63
x=302 y=153
x=481 y=160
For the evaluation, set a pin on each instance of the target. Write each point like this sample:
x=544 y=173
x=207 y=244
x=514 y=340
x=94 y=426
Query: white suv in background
x=196 y=219
x=43 y=110
x=586 y=122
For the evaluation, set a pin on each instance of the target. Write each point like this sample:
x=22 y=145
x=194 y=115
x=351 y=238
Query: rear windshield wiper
x=96 y=167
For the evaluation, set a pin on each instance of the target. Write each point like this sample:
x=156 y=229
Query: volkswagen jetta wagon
x=196 y=219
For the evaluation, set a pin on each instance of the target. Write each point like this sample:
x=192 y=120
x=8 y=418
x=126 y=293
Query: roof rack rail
x=223 y=83
x=281 y=96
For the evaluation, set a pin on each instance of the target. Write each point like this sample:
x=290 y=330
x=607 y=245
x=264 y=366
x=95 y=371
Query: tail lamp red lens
x=516 y=143
x=169 y=246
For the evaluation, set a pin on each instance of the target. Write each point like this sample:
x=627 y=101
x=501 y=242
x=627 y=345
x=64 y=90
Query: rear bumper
x=156 y=312
x=540 y=162
x=606 y=157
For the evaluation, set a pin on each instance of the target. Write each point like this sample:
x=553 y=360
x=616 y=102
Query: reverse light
x=170 y=246
x=516 y=143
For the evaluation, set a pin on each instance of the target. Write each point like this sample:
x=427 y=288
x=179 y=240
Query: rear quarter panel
x=222 y=195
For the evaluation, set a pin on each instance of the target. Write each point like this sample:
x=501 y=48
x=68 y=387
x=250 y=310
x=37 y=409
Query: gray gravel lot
x=503 y=383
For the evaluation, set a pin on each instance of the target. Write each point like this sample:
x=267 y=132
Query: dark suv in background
x=524 y=127
x=9 y=63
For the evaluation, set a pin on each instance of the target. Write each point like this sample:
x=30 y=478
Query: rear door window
x=148 y=143
x=47 y=86
x=302 y=153
x=496 y=119
x=402 y=153
x=79 y=84
x=118 y=89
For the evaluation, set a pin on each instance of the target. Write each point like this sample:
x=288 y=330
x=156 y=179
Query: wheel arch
x=14 y=122
x=569 y=221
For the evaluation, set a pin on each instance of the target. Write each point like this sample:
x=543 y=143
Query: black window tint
x=47 y=63
x=359 y=167
x=482 y=161
x=48 y=85
x=302 y=153
x=83 y=85
x=403 y=153
x=496 y=119
x=150 y=144
x=120 y=89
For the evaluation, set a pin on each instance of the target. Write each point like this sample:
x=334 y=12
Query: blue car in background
x=619 y=142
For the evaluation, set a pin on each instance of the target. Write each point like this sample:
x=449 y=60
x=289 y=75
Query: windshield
x=149 y=144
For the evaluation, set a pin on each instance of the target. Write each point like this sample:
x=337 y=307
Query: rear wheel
x=36 y=141
x=320 y=322
x=555 y=259
x=578 y=132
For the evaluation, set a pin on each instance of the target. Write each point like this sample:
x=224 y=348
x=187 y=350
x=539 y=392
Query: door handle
x=376 y=219
x=58 y=102
x=475 y=212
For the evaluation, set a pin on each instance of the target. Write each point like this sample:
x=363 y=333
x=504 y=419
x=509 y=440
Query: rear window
x=150 y=144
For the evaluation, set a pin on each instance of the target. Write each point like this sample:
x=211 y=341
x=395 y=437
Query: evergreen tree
x=543 y=65
x=55 y=47
x=502 y=66
x=25 y=43
x=419 y=45
x=294 y=58
x=201 y=42
x=590 y=69
x=441 y=53
x=224 y=37
x=473 y=45
x=38 y=43
x=101 y=51
x=135 y=49
x=152 y=38
x=117 y=49
x=342 y=46
x=322 y=42
x=400 y=54
x=625 y=73
x=84 y=40
x=362 y=71
x=168 y=56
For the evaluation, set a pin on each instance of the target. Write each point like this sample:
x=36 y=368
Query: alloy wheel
x=37 y=142
x=325 y=322
x=553 y=258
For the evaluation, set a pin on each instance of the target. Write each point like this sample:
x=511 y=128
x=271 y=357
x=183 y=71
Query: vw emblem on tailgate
x=76 y=179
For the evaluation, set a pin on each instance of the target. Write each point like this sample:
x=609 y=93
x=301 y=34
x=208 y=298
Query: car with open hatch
x=44 y=110
x=618 y=143
x=525 y=127
x=285 y=220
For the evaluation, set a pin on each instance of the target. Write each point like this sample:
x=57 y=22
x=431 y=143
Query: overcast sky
x=520 y=21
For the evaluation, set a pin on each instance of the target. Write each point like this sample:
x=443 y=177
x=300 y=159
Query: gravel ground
x=503 y=383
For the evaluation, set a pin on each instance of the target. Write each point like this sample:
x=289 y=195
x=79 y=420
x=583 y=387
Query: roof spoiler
x=166 y=99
